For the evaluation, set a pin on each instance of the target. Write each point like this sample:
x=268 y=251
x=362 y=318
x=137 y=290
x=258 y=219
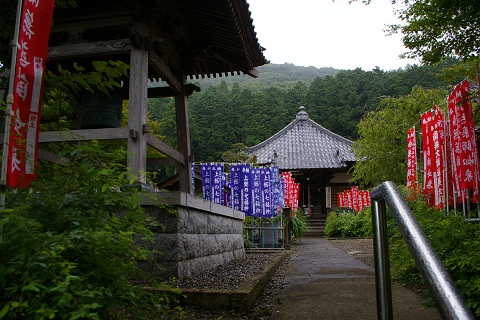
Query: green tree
x=237 y=154
x=382 y=143
x=434 y=30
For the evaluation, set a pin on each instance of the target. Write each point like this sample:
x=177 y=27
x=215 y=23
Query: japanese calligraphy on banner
x=438 y=139
x=463 y=140
x=212 y=185
x=27 y=92
x=433 y=138
x=235 y=185
x=266 y=189
x=292 y=191
x=428 y=185
x=411 y=160
x=207 y=181
x=354 y=199
x=256 y=191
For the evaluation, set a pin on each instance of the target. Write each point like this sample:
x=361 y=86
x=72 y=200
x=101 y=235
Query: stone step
x=316 y=226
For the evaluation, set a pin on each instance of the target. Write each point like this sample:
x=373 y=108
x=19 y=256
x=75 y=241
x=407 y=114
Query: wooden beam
x=123 y=18
x=161 y=162
x=164 y=70
x=164 y=148
x=52 y=157
x=162 y=92
x=84 y=135
x=86 y=49
x=253 y=73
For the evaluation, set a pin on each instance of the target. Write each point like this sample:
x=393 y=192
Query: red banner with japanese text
x=428 y=163
x=27 y=92
x=438 y=152
x=463 y=140
x=354 y=198
x=411 y=160
x=292 y=191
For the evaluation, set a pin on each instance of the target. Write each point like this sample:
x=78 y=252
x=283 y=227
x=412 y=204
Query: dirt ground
x=361 y=249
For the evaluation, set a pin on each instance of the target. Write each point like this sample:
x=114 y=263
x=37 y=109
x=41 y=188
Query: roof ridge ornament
x=302 y=114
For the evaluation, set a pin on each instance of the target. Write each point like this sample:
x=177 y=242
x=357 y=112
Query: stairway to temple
x=316 y=225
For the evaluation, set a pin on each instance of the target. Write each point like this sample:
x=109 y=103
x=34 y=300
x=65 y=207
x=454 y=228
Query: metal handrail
x=448 y=300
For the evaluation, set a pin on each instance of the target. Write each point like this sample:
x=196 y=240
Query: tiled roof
x=304 y=144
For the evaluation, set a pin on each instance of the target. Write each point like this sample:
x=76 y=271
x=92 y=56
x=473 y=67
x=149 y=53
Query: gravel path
x=228 y=277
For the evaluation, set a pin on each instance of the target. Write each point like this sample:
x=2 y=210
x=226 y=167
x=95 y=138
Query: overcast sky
x=323 y=33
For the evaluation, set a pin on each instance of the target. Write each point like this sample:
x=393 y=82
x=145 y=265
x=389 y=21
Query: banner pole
x=8 y=111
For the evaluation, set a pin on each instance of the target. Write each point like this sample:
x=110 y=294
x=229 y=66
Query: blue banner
x=266 y=190
x=281 y=196
x=256 y=192
x=275 y=190
x=193 y=179
x=226 y=195
x=235 y=185
x=207 y=181
x=246 y=197
x=217 y=188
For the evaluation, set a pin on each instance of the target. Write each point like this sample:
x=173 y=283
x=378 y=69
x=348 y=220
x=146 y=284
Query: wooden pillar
x=183 y=136
x=137 y=110
x=309 y=198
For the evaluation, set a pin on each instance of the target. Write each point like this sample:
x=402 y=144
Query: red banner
x=27 y=94
x=438 y=140
x=428 y=163
x=292 y=191
x=354 y=199
x=464 y=141
x=411 y=159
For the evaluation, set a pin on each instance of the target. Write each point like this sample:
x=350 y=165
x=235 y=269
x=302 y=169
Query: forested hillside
x=279 y=75
x=249 y=112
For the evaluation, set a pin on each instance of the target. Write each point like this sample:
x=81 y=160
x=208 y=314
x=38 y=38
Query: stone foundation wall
x=194 y=235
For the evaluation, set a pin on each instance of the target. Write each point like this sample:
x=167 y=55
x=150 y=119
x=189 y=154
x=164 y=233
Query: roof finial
x=302 y=114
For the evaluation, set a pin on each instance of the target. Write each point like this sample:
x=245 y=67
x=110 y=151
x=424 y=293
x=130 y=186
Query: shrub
x=299 y=224
x=345 y=223
x=68 y=250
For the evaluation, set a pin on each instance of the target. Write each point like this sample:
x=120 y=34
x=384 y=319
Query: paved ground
x=322 y=282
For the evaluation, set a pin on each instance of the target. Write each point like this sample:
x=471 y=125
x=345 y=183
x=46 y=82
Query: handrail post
x=440 y=284
x=382 y=264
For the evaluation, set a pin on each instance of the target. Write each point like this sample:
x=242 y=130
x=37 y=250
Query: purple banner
x=193 y=179
x=256 y=192
x=217 y=188
x=246 y=197
x=266 y=190
x=275 y=190
x=207 y=181
x=281 y=200
x=235 y=185
x=226 y=195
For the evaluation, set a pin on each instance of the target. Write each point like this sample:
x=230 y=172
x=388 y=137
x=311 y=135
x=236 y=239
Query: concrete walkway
x=322 y=282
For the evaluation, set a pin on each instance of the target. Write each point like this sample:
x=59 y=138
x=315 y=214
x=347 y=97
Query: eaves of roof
x=304 y=144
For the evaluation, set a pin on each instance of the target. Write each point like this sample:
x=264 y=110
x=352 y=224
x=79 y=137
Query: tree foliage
x=382 y=142
x=222 y=115
x=434 y=30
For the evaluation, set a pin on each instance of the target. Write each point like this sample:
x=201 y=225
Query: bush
x=299 y=224
x=68 y=250
x=345 y=224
